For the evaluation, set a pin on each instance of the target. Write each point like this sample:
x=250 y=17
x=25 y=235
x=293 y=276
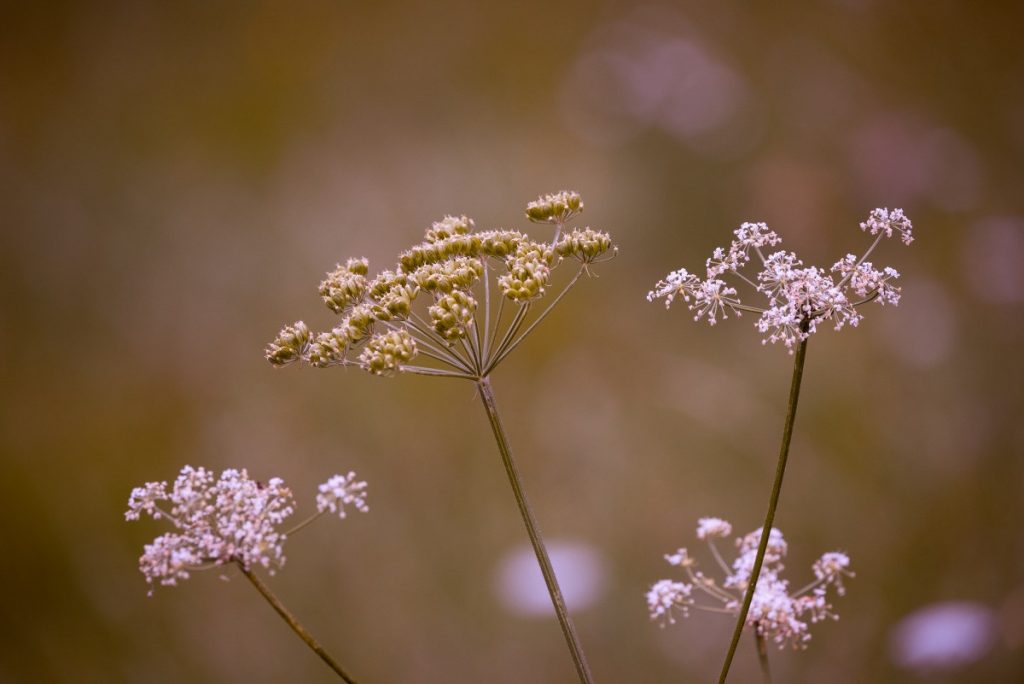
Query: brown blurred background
x=175 y=178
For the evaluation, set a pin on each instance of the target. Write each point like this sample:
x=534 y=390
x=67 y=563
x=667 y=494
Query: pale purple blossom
x=339 y=492
x=230 y=519
x=884 y=222
x=713 y=527
x=677 y=283
x=776 y=612
x=666 y=596
x=797 y=297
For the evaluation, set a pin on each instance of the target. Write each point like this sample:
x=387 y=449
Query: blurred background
x=175 y=178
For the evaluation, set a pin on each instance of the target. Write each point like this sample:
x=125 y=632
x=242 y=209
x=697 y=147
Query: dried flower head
x=797 y=297
x=441 y=302
x=775 y=612
x=230 y=519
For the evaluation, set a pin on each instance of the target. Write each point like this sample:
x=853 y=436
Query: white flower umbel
x=795 y=298
x=776 y=612
x=230 y=519
x=236 y=520
x=339 y=492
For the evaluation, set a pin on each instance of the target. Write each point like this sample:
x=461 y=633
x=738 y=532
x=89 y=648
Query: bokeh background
x=175 y=178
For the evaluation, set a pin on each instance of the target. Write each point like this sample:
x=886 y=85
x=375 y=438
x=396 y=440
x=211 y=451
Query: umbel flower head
x=776 y=612
x=230 y=519
x=797 y=297
x=462 y=299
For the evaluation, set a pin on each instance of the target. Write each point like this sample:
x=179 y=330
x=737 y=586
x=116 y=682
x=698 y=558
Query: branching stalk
x=502 y=353
x=773 y=501
x=294 y=624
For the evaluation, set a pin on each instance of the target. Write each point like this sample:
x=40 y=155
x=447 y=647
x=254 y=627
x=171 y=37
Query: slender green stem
x=762 y=656
x=506 y=339
x=773 y=501
x=571 y=638
x=436 y=372
x=298 y=526
x=718 y=557
x=294 y=624
x=497 y=323
x=502 y=353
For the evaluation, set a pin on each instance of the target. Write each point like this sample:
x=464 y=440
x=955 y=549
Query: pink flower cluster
x=776 y=612
x=797 y=297
x=230 y=519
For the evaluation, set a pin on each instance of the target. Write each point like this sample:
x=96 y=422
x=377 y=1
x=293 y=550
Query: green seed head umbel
x=556 y=208
x=463 y=280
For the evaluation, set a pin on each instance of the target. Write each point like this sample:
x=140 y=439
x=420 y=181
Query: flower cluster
x=453 y=272
x=230 y=519
x=339 y=492
x=775 y=612
x=798 y=297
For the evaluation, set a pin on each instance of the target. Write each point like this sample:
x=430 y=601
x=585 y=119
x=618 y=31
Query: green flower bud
x=528 y=271
x=585 y=245
x=289 y=345
x=448 y=227
x=456 y=273
x=453 y=313
x=395 y=303
x=385 y=352
x=357 y=324
x=345 y=285
x=500 y=243
x=558 y=207
x=328 y=348
x=384 y=281
x=359 y=266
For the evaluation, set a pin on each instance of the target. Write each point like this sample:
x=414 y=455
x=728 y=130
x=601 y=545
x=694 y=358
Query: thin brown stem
x=296 y=626
x=298 y=526
x=773 y=501
x=532 y=529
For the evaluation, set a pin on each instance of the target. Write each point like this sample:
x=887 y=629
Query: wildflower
x=230 y=519
x=884 y=222
x=713 y=527
x=776 y=612
x=798 y=298
x=441 y=303
x=339 y=492
x=666 y=595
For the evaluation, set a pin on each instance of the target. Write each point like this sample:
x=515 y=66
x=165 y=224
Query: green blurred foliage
x=176 y=177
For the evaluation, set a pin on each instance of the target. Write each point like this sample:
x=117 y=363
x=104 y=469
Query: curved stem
x=773 y=501
x=762 y=656
x=718 y=557
x=571 y=638
x=294 y=624
x=298 y=526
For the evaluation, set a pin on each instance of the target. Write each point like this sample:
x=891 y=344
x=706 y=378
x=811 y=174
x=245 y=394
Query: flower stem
x=571 y=638
x=294 y=624
x=773 y=502
x=762 y=656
